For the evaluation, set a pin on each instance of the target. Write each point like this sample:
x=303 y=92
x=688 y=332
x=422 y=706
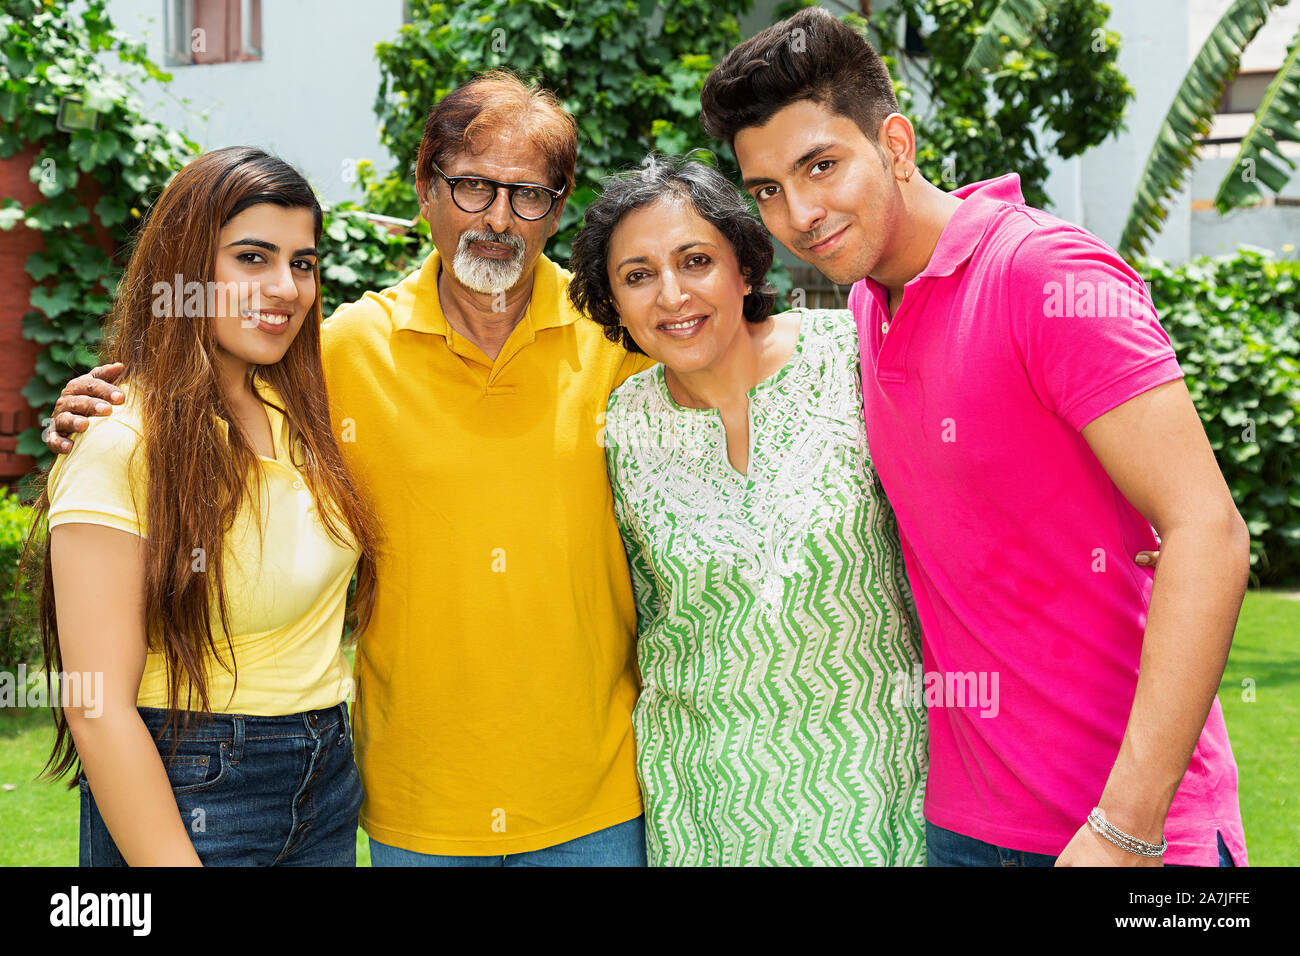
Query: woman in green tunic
x=777 y=640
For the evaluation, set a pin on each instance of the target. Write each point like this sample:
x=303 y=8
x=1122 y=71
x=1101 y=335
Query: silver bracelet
x=1103 y=827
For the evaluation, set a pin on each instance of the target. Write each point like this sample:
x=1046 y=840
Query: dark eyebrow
x=271 y=247
x=680 y=249
x=806 y=158
x=258 y=243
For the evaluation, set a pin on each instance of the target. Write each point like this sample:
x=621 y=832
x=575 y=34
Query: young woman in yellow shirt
x=201 y=544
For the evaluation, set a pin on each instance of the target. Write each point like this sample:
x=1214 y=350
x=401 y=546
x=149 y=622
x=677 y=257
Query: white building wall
x=1160 y=38
x=309 y=99
x=1154 y=54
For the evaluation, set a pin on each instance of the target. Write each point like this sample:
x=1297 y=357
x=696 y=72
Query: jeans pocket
x=192 y=773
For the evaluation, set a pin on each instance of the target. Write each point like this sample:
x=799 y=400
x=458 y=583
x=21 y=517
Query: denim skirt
x=253 y=791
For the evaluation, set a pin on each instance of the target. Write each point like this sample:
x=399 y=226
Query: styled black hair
x=714 y=199
x=809 y=56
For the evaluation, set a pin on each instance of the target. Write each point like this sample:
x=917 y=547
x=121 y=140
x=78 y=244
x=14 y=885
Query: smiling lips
x=268 y=320
x=827 y=244
x=681 y=328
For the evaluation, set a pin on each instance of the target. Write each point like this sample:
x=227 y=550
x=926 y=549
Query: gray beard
x=487 y=276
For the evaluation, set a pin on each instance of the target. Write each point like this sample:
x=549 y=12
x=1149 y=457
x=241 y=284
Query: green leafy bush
x=360 y=254
x=1235 y=325
x=19 y=641
x=84 y=119
x=1061 y=94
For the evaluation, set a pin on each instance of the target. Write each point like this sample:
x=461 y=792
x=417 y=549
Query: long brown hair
x=197 y=472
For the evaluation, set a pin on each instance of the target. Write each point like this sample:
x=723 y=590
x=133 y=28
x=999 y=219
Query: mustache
x=809 y=239
x=487 y=235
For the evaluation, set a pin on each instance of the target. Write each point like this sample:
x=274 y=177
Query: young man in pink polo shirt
x=1021 y=400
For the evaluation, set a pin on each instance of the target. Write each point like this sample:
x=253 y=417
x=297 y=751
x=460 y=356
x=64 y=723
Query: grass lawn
x=1260 y=695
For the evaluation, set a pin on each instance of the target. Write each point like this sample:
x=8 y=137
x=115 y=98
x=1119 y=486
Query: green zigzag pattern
x=775 y=623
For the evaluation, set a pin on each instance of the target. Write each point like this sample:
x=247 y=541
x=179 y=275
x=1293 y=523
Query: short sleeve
x=101 y=479
x=1085 y=325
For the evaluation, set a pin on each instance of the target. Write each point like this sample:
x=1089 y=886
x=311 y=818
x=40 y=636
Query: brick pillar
x=17 y=354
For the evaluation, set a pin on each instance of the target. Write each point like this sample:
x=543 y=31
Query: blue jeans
x=946 y=848
x=253 y=791
x=620 y=845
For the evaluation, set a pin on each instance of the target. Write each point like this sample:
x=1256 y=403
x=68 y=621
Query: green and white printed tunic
x=777 y=638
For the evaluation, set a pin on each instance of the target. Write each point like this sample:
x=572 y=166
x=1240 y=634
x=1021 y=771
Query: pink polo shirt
x=1022 y=330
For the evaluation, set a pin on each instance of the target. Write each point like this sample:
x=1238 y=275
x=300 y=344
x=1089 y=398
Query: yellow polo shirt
x=285 y=594
x=496 y=681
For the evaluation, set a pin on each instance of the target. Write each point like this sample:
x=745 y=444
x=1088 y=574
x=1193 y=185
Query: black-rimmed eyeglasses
x=529 y=201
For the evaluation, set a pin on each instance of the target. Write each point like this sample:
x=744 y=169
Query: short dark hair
x=809 y=56
x=714 y=199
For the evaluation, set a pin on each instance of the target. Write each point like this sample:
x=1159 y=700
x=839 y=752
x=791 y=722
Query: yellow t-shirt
x=496 y=681
x=286 y=597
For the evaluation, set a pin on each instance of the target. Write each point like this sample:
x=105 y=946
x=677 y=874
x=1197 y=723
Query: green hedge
x=19 y=643
x=1235 y=325
x=359 y=254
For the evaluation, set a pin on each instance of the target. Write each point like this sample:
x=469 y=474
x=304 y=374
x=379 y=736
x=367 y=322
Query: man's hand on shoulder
x=85 y=396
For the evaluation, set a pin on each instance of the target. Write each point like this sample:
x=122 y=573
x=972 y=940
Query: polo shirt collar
x=271 y=398
x=418 y=309
x=963 y=232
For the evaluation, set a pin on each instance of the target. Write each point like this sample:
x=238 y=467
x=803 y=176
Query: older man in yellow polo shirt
x=496 y=682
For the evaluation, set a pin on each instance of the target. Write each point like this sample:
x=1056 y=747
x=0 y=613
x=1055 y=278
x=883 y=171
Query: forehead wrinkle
x=485 y=148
